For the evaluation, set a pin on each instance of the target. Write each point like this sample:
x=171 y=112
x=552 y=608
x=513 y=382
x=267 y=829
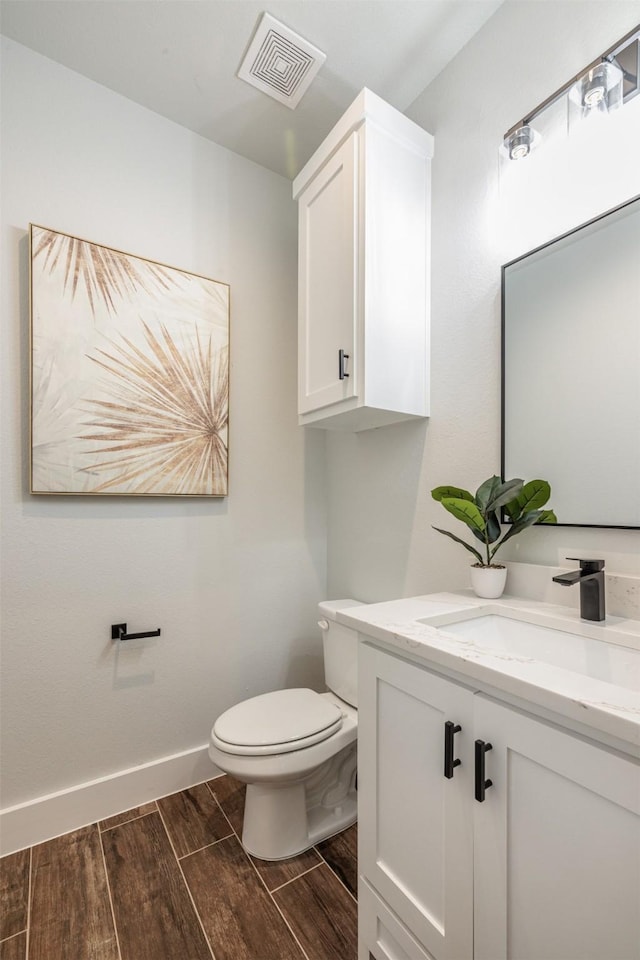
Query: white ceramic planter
x=488 y=582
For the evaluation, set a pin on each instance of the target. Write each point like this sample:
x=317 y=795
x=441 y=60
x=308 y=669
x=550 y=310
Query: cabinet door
x=415 y=825
x=381 y=936
x=557 y=845
x=327 y=271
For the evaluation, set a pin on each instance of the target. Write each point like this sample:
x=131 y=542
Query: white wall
x=233 y=583
x=381 y=544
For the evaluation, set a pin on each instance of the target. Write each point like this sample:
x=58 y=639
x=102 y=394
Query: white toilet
x=296 y=751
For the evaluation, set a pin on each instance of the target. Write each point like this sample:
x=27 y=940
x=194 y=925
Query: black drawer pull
x=342 y=366
x=449 y=763
x=481 y=784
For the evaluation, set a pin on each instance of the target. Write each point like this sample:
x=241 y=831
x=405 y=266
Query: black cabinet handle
x=481 y=784
x=342 y=356
x=449 y=763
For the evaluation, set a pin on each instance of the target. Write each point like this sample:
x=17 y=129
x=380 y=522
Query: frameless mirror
x=571 y=370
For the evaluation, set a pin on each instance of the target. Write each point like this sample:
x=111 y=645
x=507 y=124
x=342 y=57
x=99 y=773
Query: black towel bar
x=119 y=632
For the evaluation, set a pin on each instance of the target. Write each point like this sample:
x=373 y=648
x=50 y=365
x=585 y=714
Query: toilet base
x=284 y=819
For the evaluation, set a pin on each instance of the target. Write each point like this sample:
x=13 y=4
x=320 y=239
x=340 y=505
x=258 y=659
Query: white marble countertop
x=416 y=627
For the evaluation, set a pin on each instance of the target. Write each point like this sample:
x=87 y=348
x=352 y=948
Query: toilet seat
x=277 y=722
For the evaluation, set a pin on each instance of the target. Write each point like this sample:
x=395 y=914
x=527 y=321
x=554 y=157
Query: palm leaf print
x=164 y=431
x=107 y=275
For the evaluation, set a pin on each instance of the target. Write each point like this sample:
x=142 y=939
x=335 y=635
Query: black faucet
x=590 y=576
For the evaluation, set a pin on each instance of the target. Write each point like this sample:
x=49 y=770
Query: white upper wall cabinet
x=363 y=266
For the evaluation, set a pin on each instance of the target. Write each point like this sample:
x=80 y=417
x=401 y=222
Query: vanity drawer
x=381 y=935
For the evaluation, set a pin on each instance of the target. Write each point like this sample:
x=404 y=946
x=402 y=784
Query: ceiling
x=179 y=58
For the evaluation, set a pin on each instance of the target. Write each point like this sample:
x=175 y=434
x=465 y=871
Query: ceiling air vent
x=280 y=63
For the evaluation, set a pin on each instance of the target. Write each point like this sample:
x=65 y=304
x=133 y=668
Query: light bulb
x=519 y=151
x=595 y=94
x=594 y=88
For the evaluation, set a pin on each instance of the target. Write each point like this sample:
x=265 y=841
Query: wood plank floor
x=171 y=881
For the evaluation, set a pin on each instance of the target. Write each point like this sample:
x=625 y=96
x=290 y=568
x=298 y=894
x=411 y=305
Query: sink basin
x=509 y=637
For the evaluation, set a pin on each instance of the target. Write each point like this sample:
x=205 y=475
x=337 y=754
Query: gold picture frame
x=129 y=373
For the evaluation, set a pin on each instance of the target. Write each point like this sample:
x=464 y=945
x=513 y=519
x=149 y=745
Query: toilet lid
x=278 y=722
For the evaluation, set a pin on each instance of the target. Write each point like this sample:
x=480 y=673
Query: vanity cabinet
x=545 y=867
x=363 y=271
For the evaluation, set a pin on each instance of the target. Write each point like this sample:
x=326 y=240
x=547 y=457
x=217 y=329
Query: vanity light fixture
x=603 y=86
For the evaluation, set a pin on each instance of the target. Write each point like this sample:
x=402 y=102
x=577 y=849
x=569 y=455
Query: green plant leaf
x=504 y=493
x=526 y=520
x=493 y=493
x=467 y=546
x=466 y=511
x=486 y=492
x=493 y=530
x=514 y=509
x=439 y=493
x=532 y=496
x=547 y=516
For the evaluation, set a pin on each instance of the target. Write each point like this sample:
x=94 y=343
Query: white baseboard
x=57 y=813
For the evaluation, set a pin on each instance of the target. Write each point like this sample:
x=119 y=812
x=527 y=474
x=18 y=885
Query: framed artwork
x=129 y=374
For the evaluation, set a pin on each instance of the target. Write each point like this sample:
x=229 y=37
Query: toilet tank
x=340 y=645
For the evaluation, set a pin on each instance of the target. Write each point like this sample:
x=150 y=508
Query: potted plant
x=480 y=512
